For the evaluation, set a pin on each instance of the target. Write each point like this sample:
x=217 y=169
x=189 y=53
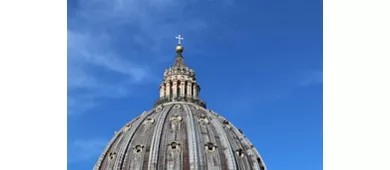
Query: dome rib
x=156 y=139
x=192 y=138
x=225 y=143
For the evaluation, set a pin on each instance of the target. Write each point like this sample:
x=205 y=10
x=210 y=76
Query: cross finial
x=179 y=38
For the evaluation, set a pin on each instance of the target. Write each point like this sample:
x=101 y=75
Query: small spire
x=179 y=50
x=179 y=38
x=179 y=47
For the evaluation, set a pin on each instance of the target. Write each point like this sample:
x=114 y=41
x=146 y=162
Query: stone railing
x=179 y=71
x=163 y=100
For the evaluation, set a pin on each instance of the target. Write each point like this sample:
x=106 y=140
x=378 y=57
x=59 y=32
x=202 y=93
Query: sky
x=258 y=62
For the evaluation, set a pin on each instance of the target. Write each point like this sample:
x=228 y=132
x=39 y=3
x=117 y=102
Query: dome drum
x=163 y=100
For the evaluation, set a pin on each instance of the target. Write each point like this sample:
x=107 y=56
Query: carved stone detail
x=149 y=120
x=210 y=147
x=203 y=120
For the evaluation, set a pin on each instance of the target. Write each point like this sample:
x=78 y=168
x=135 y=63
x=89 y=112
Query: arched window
x=185 y=88
x=178 y=88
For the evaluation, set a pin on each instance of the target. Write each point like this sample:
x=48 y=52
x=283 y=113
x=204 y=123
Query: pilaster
x=189 y=89
x=168 y=88
x=182 y=88
x=195 y=91
x=174 y=88
x=162 y=90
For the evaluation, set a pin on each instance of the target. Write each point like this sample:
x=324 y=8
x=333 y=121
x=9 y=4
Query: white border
x=356 y=84
x=33 y=84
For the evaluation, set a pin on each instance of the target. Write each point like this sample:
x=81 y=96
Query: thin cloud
x=85 y=150
x=97 y=67
x=77 y=105
x=87 y=56
x=85 y=49
x=311 y=78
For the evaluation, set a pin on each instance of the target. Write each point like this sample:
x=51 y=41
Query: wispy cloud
x=89 y=58
x=85 y=50
x=311 y=78
x=85 y=149
x=113 y=44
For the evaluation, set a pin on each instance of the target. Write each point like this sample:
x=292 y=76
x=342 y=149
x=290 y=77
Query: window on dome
x=240 y=152
x=138 y=148
x=225 y=122
x=174 y=145
x=112 y=155
x=149 y=120
x=210 y=146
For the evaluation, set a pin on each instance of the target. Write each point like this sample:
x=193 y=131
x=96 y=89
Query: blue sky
x=270 y=52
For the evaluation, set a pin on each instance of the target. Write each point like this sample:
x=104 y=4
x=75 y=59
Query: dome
x=179 y=133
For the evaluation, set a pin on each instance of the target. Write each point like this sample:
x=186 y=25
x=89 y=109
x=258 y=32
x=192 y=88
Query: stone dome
x=179 y=133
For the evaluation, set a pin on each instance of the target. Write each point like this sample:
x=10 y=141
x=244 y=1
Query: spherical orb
x=179 y=49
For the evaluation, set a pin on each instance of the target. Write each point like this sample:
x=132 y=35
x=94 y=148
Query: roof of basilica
x=179 y=133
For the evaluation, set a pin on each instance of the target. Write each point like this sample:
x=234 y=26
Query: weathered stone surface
x=179 y=133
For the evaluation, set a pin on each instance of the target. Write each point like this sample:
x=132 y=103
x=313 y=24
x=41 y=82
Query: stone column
x=162 y=90
x=174 y=88
x=195 y=91
x=182 y=90
x=168 y=89
x=189 y=89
